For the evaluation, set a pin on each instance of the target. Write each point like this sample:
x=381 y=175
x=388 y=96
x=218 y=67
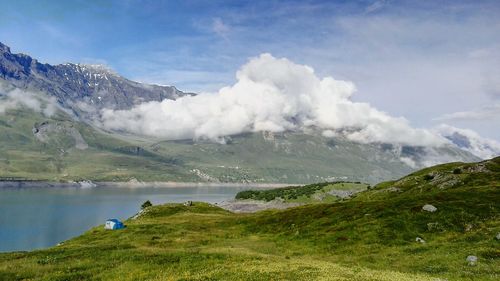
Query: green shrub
x=428 y=177
x=291 y=192
x=146 y=204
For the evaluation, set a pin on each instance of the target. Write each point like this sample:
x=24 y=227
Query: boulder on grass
x=418 y=239
x=472 y=260
x=429 y=208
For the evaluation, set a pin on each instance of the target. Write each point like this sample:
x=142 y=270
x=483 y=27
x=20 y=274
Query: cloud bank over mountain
x=470 y=141
x=270 y=94
x=13 y=98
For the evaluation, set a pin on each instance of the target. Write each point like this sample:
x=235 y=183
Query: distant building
x=113 y=224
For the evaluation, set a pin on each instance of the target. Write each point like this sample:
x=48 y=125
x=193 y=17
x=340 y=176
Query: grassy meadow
x=312 y=193
x=369 y=237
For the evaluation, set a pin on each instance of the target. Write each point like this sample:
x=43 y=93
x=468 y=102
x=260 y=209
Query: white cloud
x=415 y=59
x=410 y=162
x=270 y=95
x=12 y=98
x=487 y=112
x=470 y=141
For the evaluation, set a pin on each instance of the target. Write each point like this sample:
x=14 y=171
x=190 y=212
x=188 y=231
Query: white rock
x=87 y=184
x=418 y=239
x=472 y=260
x=429 y=208
x=468 y=227
x=498 y=236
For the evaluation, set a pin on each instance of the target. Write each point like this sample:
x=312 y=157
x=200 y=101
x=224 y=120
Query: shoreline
x=133 y=184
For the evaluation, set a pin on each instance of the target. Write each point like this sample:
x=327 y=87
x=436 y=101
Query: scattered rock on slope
x=418 y=239
x=47 y=132
x=472 y=260
x=342 y=194
x=429 y=208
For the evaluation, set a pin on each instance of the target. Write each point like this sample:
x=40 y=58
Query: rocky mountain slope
x=80 y=87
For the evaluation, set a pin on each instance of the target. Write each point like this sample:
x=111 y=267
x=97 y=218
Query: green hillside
x=369 y=237
x=59 y=148
x=290 y=157
x=68 y=150
x=313 y=193
x=36 y=147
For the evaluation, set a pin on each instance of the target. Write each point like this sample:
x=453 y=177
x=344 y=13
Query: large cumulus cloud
x=270 y=94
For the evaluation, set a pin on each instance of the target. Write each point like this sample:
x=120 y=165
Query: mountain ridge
x=75 y=85
x=62 y=137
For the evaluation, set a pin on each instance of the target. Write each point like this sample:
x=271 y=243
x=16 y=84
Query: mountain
x=470 y=141
x=440 y=223
x=60 y=148
x=299 y=157
x=76 y=86
x=47 y=115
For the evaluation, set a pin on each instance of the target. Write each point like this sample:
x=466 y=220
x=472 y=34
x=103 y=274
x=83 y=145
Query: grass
x=174 y=242
x=107 y=158
x=369 y=237
x=312 y=193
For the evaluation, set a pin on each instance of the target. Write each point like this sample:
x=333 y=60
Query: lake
x=32 y=218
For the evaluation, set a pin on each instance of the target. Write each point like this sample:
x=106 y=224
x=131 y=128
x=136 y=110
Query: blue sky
x=430 y=61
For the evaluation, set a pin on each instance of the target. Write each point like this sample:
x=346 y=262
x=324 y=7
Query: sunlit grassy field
x=173 y=242
x=369 y=237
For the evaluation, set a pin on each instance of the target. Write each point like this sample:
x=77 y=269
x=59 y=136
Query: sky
x=432 y=62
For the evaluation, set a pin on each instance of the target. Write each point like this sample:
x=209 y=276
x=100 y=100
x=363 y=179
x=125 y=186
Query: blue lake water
x=32 y=218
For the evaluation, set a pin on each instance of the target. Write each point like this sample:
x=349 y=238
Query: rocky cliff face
x=82 y=88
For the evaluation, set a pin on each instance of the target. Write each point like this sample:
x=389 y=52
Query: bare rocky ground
x=252 y=206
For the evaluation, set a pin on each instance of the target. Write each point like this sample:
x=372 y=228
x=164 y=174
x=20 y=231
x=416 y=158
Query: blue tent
x=113 y=224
